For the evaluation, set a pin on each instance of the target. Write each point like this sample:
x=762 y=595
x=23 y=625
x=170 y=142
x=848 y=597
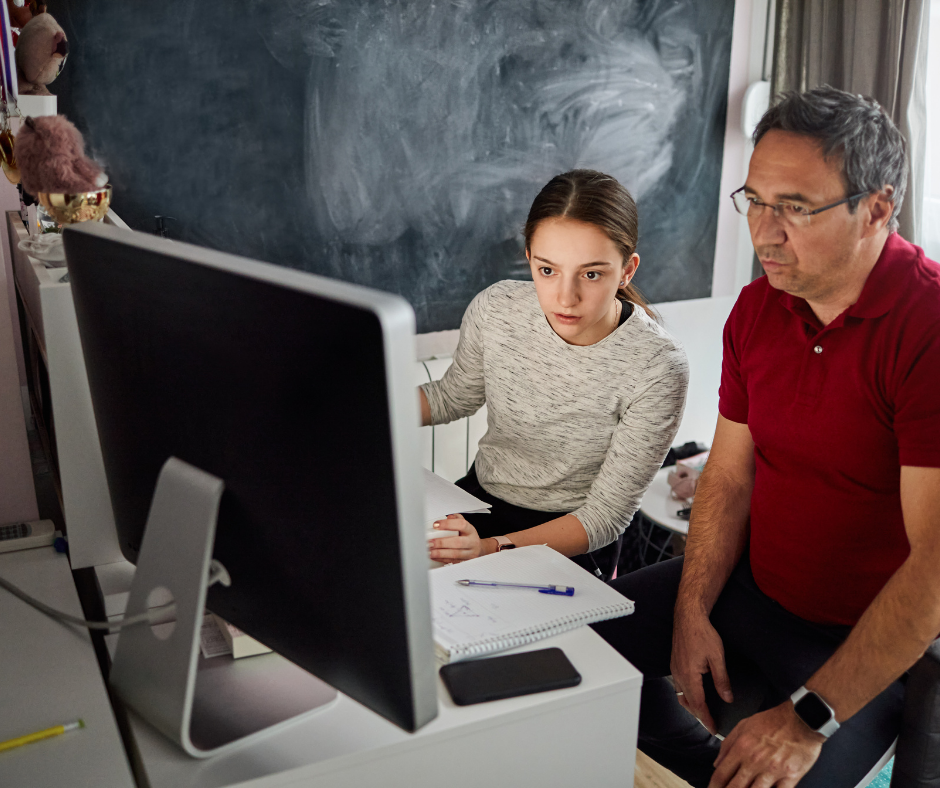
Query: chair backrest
x=917 y=761
x=448 y=449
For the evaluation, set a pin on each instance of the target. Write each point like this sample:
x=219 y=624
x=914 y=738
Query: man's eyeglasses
x=788 y=212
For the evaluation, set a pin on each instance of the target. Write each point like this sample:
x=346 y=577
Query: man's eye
x=794 y=210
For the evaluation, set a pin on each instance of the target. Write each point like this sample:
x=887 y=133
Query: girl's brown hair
x=594 y=198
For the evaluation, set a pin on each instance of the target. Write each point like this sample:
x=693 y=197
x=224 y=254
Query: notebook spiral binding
x=524 y=636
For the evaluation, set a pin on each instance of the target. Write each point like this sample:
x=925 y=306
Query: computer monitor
x=297 y=392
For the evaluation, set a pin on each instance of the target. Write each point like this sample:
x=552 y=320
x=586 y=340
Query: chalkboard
x=399 y=143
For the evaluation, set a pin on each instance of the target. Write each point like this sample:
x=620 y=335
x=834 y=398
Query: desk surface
x=51 y=676
x=578 y=736
x=562 y=738
x=660 y=507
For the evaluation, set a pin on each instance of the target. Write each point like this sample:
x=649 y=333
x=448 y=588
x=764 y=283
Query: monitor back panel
x=251 y=381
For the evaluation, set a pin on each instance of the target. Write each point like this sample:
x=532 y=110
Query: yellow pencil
x=31 y=737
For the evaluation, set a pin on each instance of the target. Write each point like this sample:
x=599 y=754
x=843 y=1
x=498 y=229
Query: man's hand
x=717 y=539
x=772 y=748
x=697 y=649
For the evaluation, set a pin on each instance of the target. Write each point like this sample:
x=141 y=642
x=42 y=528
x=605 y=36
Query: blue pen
x=556 y=590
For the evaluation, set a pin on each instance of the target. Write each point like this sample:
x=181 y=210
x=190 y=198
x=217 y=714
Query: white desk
x=585 y=735
x=50 y=676
x=660 y=507
x=658 y=510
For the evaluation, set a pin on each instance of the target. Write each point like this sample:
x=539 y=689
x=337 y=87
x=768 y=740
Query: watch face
x=503 y=543
x=812 y=711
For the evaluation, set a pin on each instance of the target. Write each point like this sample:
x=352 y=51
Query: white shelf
x=50 y=677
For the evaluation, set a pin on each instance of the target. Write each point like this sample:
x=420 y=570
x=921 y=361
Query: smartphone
x=494 y=678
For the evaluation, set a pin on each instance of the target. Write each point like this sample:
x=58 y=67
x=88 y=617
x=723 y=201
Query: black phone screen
x=493 y=678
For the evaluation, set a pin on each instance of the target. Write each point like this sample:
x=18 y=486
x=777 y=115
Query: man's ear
x=880 y=210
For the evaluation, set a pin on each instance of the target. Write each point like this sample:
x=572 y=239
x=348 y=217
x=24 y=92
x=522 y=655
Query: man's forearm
x=901 y=621
x=717 y=537
x=891 y=635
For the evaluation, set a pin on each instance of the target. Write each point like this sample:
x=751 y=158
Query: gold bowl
x=82 y=207
x=8 y=156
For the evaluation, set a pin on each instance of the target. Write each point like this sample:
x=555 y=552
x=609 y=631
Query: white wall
x=931 y=220
x=698 y=325
x=750 y=62
x=17 y=493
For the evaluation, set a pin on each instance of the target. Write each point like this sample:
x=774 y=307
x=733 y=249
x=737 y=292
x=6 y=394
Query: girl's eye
x=593 y=276
x=545 y=270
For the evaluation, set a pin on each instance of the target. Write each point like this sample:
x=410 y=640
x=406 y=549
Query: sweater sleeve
x=461 y=391
x=637 y=449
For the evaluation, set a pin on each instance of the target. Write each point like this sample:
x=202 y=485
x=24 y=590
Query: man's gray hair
x=851 y=127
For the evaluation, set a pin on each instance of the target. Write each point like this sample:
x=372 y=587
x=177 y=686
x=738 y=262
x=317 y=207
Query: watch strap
x=503 y=543
x=827 y=728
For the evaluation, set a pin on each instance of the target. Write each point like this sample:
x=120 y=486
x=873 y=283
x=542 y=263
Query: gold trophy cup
x=82 y=207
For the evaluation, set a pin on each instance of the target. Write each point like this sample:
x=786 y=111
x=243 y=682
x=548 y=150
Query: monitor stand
x=207 y=706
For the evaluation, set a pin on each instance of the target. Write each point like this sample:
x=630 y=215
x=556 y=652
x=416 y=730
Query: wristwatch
x=503 y=543
x=814 y=711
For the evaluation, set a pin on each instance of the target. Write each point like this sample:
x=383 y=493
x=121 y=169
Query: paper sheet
x=465 y=615
x=442 y=498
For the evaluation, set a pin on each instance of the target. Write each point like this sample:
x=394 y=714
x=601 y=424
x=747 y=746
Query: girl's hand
x=454 y=549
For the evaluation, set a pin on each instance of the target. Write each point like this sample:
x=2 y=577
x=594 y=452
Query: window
x=931 y=216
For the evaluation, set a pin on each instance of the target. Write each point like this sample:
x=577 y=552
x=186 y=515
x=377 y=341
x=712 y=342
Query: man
x=813 y=557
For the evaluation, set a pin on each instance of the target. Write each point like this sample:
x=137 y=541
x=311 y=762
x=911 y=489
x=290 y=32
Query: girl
x=584 y=389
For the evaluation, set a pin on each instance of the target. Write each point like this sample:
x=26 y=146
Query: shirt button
x=818 y=349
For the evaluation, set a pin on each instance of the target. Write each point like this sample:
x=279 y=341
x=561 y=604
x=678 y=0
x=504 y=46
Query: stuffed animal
x=21 y=12
x=50 y=152
x=40 y=54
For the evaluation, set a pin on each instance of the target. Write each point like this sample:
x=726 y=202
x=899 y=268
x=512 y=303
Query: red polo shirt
x=835 y=412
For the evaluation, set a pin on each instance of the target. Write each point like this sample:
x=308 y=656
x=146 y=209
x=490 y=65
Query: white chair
x=448 y=449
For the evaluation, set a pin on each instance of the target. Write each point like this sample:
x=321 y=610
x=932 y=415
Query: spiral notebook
x=470 y=621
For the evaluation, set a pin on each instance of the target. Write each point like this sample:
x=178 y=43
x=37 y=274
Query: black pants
x=761 y=639
x=505 y=518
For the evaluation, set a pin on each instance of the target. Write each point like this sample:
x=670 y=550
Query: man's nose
x=766 y=229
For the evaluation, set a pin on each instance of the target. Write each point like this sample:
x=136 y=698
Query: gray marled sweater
x=569 y=428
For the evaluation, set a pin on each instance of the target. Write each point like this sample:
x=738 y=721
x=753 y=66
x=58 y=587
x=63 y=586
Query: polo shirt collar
x=887 y=280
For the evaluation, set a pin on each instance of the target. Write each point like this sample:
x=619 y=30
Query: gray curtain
x=874 y=47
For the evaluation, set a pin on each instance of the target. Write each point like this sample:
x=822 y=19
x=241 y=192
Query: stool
x=655 y=526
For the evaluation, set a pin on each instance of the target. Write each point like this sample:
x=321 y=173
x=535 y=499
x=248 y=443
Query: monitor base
x=207 y=707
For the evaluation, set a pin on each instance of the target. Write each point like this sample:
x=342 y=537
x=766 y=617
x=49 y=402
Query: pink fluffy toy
x=50 y=152
x=40 y=54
